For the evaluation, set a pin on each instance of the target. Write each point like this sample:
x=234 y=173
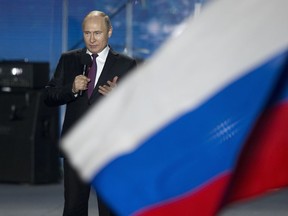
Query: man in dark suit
x=70 y=86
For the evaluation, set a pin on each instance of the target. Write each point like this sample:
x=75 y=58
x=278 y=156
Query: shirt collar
x=103 y=54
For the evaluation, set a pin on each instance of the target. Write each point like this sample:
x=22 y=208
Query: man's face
x=96 y=34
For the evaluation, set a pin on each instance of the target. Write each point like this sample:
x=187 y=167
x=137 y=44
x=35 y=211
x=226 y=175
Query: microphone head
x=86 y=59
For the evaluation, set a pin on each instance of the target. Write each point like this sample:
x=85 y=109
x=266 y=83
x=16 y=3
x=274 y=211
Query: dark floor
x=35 y=200
x=47 y=200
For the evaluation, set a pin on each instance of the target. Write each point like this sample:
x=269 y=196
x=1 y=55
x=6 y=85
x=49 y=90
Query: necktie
x=92 y=75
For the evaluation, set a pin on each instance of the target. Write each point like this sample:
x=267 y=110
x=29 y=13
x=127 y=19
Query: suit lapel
x=110 y=61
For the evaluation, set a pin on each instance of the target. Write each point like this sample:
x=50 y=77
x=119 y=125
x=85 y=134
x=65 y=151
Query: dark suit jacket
x=59 y=89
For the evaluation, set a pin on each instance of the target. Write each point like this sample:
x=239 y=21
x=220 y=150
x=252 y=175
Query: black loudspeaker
x=24 y=74
x=29 y=134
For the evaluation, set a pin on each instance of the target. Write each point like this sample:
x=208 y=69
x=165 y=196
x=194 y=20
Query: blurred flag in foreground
x=201 y=124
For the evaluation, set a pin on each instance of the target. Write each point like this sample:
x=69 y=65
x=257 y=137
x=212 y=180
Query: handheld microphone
x=86 y=61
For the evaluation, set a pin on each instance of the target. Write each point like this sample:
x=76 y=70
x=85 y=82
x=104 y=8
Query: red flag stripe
x=263 y=164
x=204 y=202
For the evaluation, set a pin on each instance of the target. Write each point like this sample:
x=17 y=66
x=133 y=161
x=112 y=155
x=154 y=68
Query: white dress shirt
x=100 y=60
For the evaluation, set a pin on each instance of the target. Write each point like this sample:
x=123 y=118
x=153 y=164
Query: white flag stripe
x=229 y=38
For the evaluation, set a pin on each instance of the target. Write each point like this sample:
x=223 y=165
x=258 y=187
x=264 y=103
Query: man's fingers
x=113 y=84
x=115 y=79
x=81 y=82
x=105 y=89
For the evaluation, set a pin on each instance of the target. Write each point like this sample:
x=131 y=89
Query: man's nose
x=92 y=38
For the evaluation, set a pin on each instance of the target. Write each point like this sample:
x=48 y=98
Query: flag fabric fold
x=181 y=133
x=263 y=161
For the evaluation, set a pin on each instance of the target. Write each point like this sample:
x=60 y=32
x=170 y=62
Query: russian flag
x=201 y=124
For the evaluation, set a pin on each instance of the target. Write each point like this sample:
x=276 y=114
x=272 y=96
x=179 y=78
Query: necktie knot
x=94 y=56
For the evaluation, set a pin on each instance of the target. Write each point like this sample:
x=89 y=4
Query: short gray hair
x=98 y=13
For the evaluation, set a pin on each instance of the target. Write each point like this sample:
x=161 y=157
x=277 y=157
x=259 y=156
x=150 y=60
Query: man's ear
x=110 y=32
